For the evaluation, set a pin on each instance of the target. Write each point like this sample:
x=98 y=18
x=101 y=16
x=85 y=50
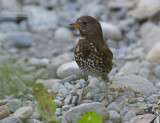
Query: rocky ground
x=36 y=46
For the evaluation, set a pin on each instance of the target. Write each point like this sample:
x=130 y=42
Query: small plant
x=90 y=117
x=46 y=105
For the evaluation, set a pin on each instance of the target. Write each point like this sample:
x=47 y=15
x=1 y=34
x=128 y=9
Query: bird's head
x=89 y=27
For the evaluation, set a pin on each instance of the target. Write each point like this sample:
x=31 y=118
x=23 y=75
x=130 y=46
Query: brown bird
x=91 y=53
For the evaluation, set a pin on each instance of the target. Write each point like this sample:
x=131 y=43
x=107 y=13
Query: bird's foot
x=106 y=97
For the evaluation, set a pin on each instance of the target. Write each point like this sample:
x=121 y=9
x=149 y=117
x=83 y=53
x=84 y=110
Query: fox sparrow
x=91 y=53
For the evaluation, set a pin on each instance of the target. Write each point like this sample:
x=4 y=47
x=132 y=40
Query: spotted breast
x=93 y=58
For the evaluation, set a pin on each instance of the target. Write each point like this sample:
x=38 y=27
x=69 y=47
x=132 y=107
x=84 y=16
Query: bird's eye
x=84 y=22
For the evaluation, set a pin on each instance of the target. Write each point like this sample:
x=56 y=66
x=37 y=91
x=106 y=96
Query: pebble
x=21 y=40
x=133 y=83
x=152 y=99
x=62 y=91
x=75 y=113
x=68 y=99
x=68 y=86
x=66 y=38
x=143 y=9
x=157 y=71
x=33 y=121
x=58 y=111
x=66 y=107
x=114 y=106
x=23 y=113
x=11 y=119
x=4 y=102
x=154 y=54
x=138 y=111
x=4 y=112
x=74 y=100
x=128 y=116
x=14 y=104
x=144 y=72
x=133 y=100
x=123 y=111
x=111 y=31
x=114 y=116
x=68 y=69
x=36 y=21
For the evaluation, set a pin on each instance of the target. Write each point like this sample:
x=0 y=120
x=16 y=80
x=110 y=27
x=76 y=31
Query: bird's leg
x=106 y=97
x=82 y=93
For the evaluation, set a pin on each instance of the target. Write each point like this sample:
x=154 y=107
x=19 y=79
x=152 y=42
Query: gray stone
x=74 y=100
x=68 y=69
x=152 y=99
x=94 y=82
x=68 y=85
x=89 y=95
x=87 y=9
x=24 y=113
x=114 y=117
x=120 y=4
x=108 y=121
x=128 y=116
x=144 y=72
x=114 y=106
x=3 y=101
x=48 y=4
x=33 y=121
x=66 y=107
x=37 y=17
x=91 y=89
x=58 y=111
x=133 y=100
x=4 y=112
x=157 y=71
x=62 y=91
x=150 y=35
x=14 y=104
x=129 y=94
x=123 y=111
x=111 y=31
x=74 y=114
x=49 y=83
x=11 y=119
x=29 y=97
x=64 y=39
x=68 y=99
x=143 y=9
x=21 y=40
x=133 y=83
x=7 y=5
x=8 y=27
x=38 y=62
x=154 y=54
x=129 y=68
x=36 y=114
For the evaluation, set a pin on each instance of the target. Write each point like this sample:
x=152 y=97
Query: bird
x=91 y=53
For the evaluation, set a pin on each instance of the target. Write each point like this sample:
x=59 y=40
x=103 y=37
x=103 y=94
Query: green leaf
x=90 y=117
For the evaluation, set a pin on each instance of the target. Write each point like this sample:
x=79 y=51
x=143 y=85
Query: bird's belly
x=92 y=64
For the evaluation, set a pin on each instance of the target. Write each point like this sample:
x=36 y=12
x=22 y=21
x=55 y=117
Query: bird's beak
x=75 y=25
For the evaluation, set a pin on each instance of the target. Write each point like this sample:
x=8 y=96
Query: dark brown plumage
x=91 y=53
